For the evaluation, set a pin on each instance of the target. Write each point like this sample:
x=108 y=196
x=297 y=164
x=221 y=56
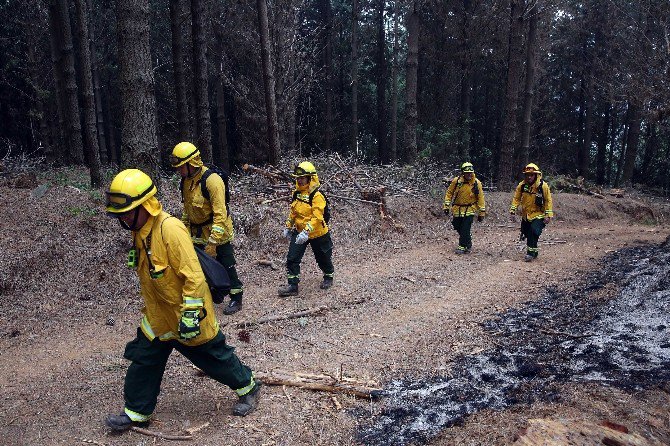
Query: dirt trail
x=61 y=367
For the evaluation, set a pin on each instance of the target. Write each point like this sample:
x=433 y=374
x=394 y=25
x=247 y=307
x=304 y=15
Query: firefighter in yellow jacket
x=306 y=225
x=465 y=198
x=178 y=311
x=206 y=214
x=534 y=197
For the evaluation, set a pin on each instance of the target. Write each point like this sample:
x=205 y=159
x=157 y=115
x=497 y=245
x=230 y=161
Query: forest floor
x=467 y=348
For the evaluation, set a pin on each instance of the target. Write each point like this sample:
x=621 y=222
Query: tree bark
x=91 y=147
x=585 y=152
x=42 y=137
x=221 y=151
x=529 y=86
x=139 y=143
x=632 y=142
x=353 y=139
x=509 y=130
x=327 y=17
x=177 y=25
x=393 y=149
x=601 y=156
x=203 y=126
x=411 y=116
x=71 y=126
x=466 y=85
x=650 y=150
x=269 y=83
x=382 y=145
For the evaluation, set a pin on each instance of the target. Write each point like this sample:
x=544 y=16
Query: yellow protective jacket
x=176 y=282
x=305 y=216
x=462 y=199
x=207 y=220
x=525 y=195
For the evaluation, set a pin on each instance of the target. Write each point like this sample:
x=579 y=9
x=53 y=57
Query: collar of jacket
x=461 y=179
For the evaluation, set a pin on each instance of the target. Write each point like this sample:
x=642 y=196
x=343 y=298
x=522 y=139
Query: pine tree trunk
x=203 y=126
x=221 y=151
x=529 y=87
x=632 y=143
x=585 y=152
x=177 y=26
x=393 y=149
x=269 y=83
x=509 y=131
x=327 y=17
x=139 y=143
x=466 y=86
x=650 y=150
x=60 y=26
x=382 y=145
x=97 y=93
x=353 y=139
x=42 y=137
x=91 y=148
x=411 y=116
x=601 y=157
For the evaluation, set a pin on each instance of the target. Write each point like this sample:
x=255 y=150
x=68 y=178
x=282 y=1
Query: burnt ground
x=563 y=338
x=612 y=330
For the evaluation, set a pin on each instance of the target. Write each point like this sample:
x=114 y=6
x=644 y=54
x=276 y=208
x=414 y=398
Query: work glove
x=211 y=249
x=480 y=218
x=446 y=211
x=189 y=324
x=302 y=237
x=287 y=233
x=512 y=218
x=547 y=220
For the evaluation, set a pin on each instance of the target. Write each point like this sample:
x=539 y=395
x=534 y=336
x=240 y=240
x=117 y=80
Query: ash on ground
x=614 y=331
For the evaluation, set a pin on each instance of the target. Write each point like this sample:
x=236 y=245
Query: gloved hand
x=512 y=218
x=287 y=233
x=446 y=211
x=211 y=249
x=547 y=220
x=189 y=324
x=302 y=237
x=480 y=218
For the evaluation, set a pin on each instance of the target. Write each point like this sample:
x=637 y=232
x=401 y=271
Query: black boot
x=233 y=306
x=120 y=423
x=248 y=402
x=327 y=283
x=289 y=290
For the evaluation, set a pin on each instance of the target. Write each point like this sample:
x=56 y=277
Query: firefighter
x=465 y=198
x=206 y=214
x=307 y=225
x=534 y=196
x=178 y=311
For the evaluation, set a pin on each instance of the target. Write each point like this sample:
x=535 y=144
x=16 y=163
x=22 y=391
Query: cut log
x=321 y=383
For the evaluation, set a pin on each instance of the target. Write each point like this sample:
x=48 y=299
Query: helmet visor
x=176 y=161
x=117 y=202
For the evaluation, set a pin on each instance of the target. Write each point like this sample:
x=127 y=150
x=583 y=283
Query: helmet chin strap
x=132 y=227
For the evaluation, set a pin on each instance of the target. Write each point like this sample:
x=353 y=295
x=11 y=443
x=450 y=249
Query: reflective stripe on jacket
x=460 y=196
x=197 y=210
x=179 y=282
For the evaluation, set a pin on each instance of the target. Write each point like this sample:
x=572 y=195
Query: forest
x=580 y=87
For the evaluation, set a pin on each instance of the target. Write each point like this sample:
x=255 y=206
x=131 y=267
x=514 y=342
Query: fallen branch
x=276 y=176
x=282 y=317
x=323 y=383
x=377 y=203
x=283 y=197
x=150 y=433
x=195 y=429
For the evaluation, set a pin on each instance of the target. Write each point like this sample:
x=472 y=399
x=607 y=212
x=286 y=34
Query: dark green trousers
x=144 y=376
x=225 y=254
x=323 y=253
x=463 y=225
x=532 y=230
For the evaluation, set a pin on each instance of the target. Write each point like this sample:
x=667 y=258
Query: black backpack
x=211 y=168
x=326 y=210
x=215 y=274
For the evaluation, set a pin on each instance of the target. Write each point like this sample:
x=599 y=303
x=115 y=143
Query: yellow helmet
x=531 y=168
x=304 y=169
x=183 y=153
x=467 y=167
x=129 y=189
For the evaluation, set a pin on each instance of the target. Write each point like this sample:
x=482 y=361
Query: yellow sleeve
x=290 y=220
x=217 y=198
x=184 y=261
x=548 y=201
x=516 y=199
x=481 y=202
x=449 y=194
x=318 y=208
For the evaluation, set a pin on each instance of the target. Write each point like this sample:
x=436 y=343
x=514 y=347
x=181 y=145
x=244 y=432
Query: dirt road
x=69 y=307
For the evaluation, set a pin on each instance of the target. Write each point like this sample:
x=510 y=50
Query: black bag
x=215 y=274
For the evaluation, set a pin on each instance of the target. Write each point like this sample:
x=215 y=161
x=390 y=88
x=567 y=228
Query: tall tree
x=509 y=130
x=268 y=82
x=601 y=154
x=393 y=149
x=411 y=115
x=91 y=148
x=327 y=13
x=178 y=23
x=139 y=143
x=203 y=126
x=354 y=76
x=466 y=82
x=632 y=142
x=382 y=144
x=220 y=154
x=61 y=30
x=529 y=86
